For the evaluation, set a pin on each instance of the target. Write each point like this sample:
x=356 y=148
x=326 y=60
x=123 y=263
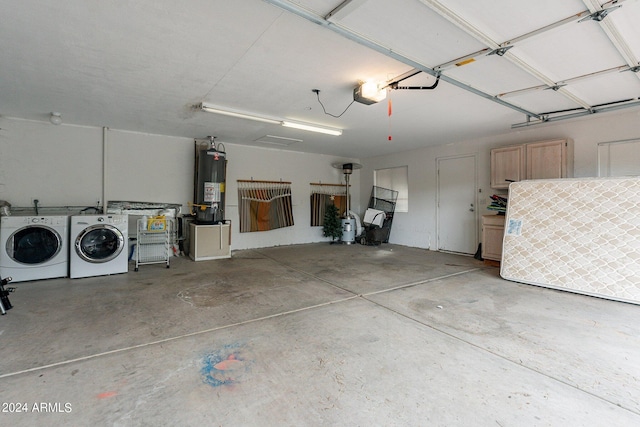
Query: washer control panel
x=42 y=220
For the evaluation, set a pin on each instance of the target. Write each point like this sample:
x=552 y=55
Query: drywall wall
x=63 y=166
x=148 y=168
x=71 y=165
x=418 y=227
x=58 y=165
x=300 y=169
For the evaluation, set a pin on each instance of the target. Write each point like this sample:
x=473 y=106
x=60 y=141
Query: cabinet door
x=492 y=242
x=547 y=160
x=507 y=166
x=492 y=234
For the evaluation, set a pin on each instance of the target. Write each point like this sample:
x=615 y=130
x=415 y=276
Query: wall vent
x=278 y=140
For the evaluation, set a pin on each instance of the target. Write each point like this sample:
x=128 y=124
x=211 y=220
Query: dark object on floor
x=374 y=235
x=5 y=304
x=478 y=254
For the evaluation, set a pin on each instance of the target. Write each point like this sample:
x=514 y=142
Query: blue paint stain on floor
x=225 y=366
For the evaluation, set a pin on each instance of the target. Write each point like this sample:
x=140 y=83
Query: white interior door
x=621 y=158
x=457 y=211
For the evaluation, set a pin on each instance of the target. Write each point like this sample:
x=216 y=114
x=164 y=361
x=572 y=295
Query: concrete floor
x=316 y=335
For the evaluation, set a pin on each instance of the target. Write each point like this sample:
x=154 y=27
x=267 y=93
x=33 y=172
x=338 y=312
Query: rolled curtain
x=323 y=195
x=264 y=206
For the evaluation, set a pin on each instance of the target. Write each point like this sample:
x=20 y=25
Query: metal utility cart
x=153 y=243
x=376 y=231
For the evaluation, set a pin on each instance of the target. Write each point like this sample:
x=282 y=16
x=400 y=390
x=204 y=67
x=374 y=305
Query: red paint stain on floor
x=107 y=394
x=229 y=364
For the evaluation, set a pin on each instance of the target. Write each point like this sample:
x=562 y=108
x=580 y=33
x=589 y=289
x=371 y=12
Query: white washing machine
x=98 y=245
x=34 y=247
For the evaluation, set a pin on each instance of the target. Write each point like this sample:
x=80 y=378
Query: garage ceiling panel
x=608 y=88
x=626 y=21
x=564 y=54
x=147 y=65
x=493 y=74
x=412 y=29
x=505 y=20
x=543 y=101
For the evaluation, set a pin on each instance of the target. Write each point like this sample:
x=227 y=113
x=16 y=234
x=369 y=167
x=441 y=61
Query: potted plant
x=332 y=226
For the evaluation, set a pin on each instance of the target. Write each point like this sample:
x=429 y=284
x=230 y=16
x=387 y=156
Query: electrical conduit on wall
x=105 y=130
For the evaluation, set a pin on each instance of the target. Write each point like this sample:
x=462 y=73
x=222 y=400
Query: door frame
x=475 y=200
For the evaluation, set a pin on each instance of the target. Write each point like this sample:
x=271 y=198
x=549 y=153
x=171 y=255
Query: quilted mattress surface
x=578 y=235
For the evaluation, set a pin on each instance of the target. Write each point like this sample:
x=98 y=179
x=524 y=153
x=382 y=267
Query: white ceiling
x=145 y=66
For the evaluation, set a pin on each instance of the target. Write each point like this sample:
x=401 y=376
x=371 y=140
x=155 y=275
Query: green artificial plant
x=332 y=227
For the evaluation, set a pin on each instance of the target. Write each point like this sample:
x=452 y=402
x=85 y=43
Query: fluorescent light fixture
x=238 y=114
x=250 y=116
x=302 y=126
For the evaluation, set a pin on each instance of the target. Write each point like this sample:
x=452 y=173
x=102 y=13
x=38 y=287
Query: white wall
x=418 y=226
x=58 y=165
x=149 y=168
x=63 y=166
x=274 y=165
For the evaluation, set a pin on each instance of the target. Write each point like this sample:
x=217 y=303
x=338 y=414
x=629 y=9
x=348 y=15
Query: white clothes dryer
x=34 y=247
x=98 y=245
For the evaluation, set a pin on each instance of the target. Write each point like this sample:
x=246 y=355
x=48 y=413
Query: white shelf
x=153 y=246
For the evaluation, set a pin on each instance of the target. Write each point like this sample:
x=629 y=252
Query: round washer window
x=34 y=245
x=99 y=243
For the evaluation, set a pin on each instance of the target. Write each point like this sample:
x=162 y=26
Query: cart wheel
x=135 y=269
x=363 y=240
x=167 y=265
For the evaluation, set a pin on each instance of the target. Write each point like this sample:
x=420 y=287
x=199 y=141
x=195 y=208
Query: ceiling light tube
x=301 y=126
x=209 y=108
x=248 y=116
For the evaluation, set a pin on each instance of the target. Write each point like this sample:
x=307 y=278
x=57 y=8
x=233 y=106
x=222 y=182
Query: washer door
x=34 y=244
x=99 y=243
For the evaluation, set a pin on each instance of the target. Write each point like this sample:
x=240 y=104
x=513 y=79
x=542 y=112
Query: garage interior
x=103 y=102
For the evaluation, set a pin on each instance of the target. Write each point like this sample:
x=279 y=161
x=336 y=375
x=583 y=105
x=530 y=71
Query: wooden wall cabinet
x=537 y=160
x=548 y=159
x=507 y=165
x=492 y=234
